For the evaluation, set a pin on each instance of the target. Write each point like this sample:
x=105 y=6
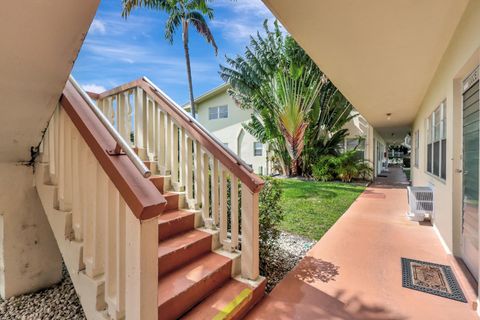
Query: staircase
x=181 y=243
x=196 y=279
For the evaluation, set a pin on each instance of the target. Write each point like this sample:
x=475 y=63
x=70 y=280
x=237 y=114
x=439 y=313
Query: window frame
x=436 y=142
x=218 y=112
x=255 y=149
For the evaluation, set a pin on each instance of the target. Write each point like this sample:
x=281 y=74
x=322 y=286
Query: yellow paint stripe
x=233 y=306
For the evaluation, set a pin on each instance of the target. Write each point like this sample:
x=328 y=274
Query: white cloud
x=246 y=7
x=91 y=87
x=98 y=26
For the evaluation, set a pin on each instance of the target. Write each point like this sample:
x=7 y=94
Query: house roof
x=209 y=94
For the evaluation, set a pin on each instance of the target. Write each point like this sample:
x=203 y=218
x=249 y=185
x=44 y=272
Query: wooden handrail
x=139 y=193
x=229 y=160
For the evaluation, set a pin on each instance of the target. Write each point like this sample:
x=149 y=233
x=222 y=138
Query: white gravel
x=59 y=302
x=291 y=249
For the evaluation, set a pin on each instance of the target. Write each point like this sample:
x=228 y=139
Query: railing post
x=250 y=234
x=141 y=268
x=139 y=139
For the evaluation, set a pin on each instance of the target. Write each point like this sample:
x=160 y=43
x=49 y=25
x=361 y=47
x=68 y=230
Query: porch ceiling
x=382 y=54
x=39 y=44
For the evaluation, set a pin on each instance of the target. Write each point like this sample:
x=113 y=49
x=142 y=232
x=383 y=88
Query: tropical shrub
x=324 y=168
x=345 y=167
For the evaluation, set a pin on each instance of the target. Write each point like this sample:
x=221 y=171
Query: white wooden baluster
x=161 y=142
x=128 y=117
x=234 y=212
x=215 y=194
x=52 y=145
x=78 y=178
x=90 y=212
x=223 y=208
x=198 y=174
x=110 y=111
x=168 y=144
x=112 y=289
x=61 y=160
x=189 y=172
x=174 y=153
x=139 y=138
x=151 y=130
x=183 y=158
x=121 y=114
x=68 y=182
x=206 y=189
x=99 y=220
x=250 y=234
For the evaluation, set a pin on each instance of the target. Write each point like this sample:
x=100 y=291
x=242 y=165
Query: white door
x=471 y=121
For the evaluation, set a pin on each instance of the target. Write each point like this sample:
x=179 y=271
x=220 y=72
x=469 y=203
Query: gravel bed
x=291 y=249
x=59 y=302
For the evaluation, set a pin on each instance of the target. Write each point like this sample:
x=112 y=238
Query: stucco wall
x=29 y=256
x=460 y=59
x=229 y=130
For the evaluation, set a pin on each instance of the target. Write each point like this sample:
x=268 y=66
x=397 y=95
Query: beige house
x=219 y=114
x=409 y=66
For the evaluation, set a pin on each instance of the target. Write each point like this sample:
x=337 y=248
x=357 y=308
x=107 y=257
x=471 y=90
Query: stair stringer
x=90 y=291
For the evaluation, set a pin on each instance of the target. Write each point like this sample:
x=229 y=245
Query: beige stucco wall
x=29 y=256
x=460 y=59
x=229 y=130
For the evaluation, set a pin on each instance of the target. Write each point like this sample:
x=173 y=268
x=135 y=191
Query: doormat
x=431 y=278
x=382 y=176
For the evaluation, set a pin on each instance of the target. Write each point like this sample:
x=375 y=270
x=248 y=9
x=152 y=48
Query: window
x=257 y=148
x=220 y=112
x=436 y=127
x=416 y=147
x=358 y=144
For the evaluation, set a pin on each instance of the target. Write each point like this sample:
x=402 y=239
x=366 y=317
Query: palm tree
x=293 y=94
x=181 y=13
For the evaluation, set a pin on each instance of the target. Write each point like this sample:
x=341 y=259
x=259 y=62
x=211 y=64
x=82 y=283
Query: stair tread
x=218 y=300
x=180 y=241
x=173 y=214
x=182 y=279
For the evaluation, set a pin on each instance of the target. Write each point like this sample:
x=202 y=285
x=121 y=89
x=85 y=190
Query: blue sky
x=117 y=51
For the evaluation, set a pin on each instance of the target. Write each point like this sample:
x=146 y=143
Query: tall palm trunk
x=189 y=70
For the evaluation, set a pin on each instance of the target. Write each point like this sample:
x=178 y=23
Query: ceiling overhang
x=382 y=54
x=39 y=44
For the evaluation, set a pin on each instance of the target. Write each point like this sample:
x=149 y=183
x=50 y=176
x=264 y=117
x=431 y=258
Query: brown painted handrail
x=196 y=131
x=139 y=193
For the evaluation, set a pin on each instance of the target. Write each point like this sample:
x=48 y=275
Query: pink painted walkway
x=354 y=271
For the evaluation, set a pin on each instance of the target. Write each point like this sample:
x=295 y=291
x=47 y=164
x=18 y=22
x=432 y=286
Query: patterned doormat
x=431 y=278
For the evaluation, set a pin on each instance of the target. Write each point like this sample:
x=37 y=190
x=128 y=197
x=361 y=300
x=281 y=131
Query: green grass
x=312 y=207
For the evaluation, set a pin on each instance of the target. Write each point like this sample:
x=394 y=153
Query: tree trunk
x=189 y=70
x=294 y=167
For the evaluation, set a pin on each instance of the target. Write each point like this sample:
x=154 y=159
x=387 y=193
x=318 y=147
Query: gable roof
x=209 y=94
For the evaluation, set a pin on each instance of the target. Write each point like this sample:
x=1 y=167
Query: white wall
x=228 y=130
x=460 y=58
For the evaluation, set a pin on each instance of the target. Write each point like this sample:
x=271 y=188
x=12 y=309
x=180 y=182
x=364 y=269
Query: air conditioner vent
x=420 y=201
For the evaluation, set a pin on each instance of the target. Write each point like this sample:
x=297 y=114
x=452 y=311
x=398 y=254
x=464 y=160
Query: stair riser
x=178 y=305
x=158 y=182
x=179 y=257
x=172 y=201
x=174 y=227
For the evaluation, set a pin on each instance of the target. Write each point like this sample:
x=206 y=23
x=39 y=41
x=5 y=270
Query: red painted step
x=158 y=182
x=230 y=300
x=173 y=222
x=178 y=250
x=172 y=200
x=183 y=288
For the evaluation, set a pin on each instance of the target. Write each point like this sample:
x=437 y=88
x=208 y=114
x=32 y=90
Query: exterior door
x=471 y=121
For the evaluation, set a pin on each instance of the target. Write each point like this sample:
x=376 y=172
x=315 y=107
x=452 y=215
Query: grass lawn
x=312 y=207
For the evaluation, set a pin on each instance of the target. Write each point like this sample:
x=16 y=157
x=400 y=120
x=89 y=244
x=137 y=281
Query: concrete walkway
x=354 y=271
